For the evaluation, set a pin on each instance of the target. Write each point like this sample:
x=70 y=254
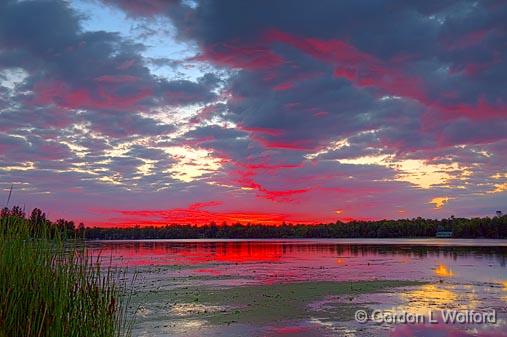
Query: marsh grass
x=50 y=286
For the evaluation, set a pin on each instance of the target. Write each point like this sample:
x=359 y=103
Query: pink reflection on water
x=443 y=330
x=279 y=261
x=289 y=330
x=299 y=330
x=451 y=272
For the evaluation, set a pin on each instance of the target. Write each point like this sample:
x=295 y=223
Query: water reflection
x=439 y=296
x=170 y=252
x=286 y=261
x=436 y=296
x=440 y=330
x=456 y=278
x=443 y=271
x=504 y=295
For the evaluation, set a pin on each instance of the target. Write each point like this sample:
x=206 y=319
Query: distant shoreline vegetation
x=488 y=228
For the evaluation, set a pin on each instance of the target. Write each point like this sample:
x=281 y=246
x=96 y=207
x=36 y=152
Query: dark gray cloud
x=72 y=69
x=447 y=55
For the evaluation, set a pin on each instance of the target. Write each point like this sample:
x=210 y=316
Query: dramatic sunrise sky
x=156 y=111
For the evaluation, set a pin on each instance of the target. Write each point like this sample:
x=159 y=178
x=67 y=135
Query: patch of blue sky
x=165 y=56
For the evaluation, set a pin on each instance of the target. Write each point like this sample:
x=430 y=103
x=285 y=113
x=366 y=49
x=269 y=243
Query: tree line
x=491 y=228
x=37 y=222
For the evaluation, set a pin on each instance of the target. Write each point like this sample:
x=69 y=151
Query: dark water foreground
x=312 y=287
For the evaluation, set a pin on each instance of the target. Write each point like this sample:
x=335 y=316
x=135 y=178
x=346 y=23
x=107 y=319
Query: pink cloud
x=243 y=57
x=103 y=97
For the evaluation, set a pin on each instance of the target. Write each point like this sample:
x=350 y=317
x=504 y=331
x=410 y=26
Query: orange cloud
x=439 y=202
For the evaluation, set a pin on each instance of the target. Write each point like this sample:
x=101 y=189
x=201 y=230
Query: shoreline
x=438 y=242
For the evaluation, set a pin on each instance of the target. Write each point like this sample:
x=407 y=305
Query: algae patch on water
x=269 y=303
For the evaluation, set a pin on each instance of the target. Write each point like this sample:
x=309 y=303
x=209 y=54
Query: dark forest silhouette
x=38 y=221
x=491 y=228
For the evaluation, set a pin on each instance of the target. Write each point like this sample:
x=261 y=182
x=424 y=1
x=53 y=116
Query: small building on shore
x=443 y=234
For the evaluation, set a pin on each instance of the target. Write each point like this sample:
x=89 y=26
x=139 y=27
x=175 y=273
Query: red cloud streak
x=195 y=214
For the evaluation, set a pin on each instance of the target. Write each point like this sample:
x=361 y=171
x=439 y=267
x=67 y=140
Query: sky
x=151 y=112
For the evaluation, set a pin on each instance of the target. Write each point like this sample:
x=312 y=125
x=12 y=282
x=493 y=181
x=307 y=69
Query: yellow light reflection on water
x=419 y=300
x=439 y=296
x=504 y=284
x=443 y=271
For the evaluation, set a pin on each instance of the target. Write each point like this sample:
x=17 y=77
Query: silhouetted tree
x=37 y=218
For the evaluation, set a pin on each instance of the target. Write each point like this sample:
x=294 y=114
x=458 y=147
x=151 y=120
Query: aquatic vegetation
x=259 y=304
x=50 y=286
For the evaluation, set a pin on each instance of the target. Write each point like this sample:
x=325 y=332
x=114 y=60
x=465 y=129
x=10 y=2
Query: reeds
x=50 y=286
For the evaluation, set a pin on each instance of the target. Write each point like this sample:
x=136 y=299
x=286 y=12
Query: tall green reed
x=51 y=287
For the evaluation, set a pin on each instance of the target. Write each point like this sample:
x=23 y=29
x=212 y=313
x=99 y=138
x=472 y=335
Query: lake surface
x=202 y=288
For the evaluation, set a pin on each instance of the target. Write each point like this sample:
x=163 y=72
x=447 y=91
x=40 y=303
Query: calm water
x=457 y=274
